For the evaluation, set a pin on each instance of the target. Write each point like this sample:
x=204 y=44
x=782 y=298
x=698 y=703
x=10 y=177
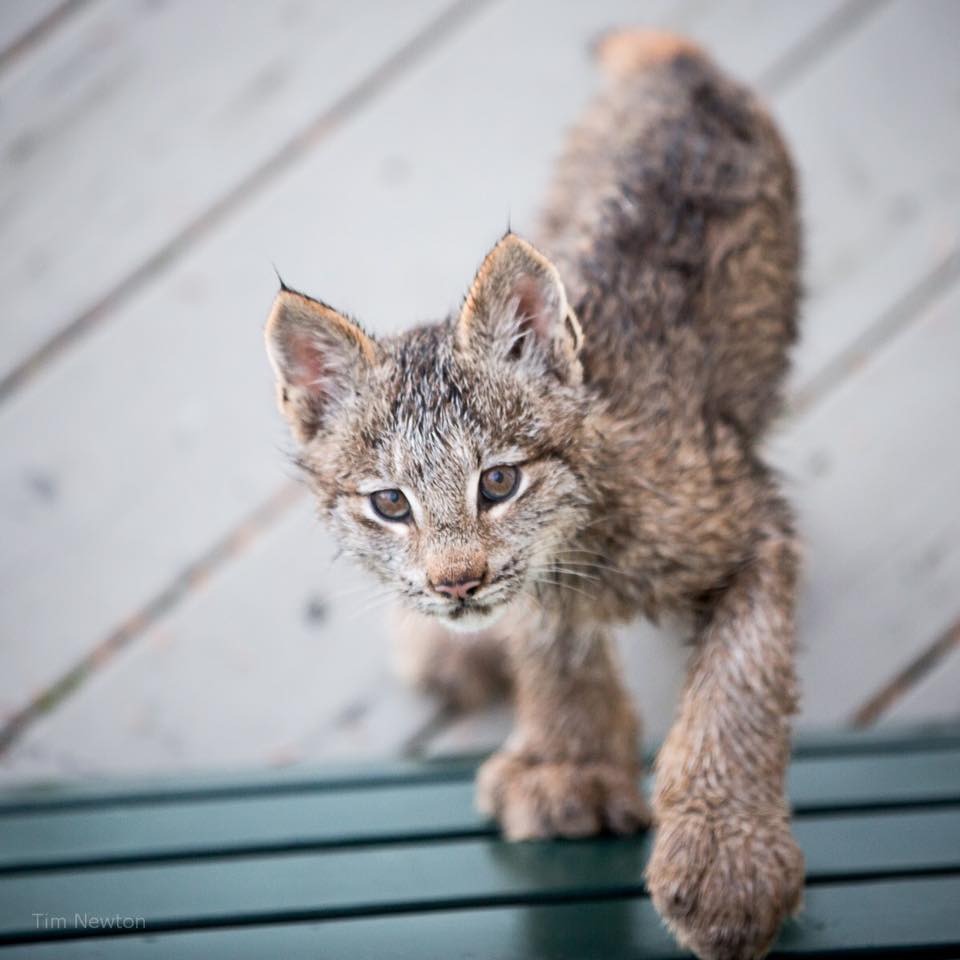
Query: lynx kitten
x=577 y=446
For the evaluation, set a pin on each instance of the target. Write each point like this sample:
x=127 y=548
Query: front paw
x=533 y=799
x=724 y=885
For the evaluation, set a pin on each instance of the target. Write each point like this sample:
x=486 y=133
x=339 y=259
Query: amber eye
x=390 y=504
x=499 y=483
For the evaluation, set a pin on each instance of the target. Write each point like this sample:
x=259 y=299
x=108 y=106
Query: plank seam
x=813 y=47
x=36 y=34
x=429 y=778
x=297 y=146
x=531 y=898
x=446 y=771
x=922 y=666
x=877 y=335
x=230 y=546
x=418 y=838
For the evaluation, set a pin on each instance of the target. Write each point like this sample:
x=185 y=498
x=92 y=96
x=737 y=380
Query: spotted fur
x=628 y=364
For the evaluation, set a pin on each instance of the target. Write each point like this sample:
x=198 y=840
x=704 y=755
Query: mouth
x=477 y=612
x=469 y=616
x=466 y=610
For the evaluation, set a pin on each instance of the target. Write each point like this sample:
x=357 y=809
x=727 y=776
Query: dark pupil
x=391 y=503
x=498 y=483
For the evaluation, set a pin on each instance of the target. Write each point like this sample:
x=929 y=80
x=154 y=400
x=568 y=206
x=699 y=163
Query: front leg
x=570 y=767
x=464 y=671
x=725 y=869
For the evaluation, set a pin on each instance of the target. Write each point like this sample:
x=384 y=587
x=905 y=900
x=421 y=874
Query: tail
x=624 y=52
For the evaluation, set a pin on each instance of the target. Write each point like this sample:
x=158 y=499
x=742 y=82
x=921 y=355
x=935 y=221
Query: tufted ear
x=517 y=308
x=318 y=356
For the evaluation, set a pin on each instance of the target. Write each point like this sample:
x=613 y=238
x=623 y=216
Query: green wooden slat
x=390 y=813
x=232 y=825
x=915 y=917
x=877 y=740
x=74 y=794
x=818 y=783
x=426 y=876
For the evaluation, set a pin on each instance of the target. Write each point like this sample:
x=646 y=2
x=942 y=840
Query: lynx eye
x=499 y=483
x=390 y=504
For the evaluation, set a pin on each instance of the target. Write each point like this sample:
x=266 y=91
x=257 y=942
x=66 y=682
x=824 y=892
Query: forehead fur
x=431 y=405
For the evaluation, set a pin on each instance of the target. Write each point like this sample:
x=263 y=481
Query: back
x=672 y=218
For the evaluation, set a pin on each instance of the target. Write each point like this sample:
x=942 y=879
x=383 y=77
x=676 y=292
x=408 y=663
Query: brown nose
x=459 y=590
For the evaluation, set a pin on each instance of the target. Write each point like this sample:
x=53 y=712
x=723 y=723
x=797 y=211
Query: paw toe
x=535 y=800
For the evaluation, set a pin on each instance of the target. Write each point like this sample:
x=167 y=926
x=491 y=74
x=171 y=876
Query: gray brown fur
x=630 y=375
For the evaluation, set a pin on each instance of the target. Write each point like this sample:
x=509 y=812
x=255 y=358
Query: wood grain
x=175 y=387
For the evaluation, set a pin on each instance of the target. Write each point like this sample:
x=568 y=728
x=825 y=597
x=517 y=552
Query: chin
x=467 y=620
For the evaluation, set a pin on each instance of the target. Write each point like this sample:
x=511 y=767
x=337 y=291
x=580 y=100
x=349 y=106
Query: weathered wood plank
x=209 y=453
x=894 y=915
x=61 y=521
x=375 y=880
x=305 y=665
x=163 y=110
x=18 y=20
x=936 y=696
x=53 y=795
x=879 y=213
x=403 y=811
x=876 y=468
x=206 y=130
x=654 y=678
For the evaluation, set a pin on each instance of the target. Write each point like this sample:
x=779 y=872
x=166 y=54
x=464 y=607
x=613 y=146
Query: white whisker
x=562 y=585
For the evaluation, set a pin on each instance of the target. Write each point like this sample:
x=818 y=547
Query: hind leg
x=464 y=671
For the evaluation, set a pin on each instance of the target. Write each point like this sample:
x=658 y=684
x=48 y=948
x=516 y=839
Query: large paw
x=723 y=886
x=533 y=799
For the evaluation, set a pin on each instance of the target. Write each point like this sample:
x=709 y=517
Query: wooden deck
x=166 y=599
x=393 y=862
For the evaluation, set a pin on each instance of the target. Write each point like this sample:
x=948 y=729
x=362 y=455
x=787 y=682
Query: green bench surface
x=396 y=863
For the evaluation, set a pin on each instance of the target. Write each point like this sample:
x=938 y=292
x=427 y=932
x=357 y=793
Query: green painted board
x=450 y=874
x=819 y=783
x=873 y=740
x=76 y=794
x=191 y=828
x=913 y=918
x=382 y=812
x=393 y=863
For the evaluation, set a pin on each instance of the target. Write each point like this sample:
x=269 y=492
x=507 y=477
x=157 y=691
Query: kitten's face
x=443 y=457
